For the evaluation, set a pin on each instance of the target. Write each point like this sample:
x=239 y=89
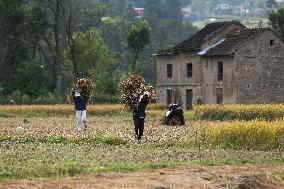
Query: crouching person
x=81 y=113
x=175 y=111
x=139 y=116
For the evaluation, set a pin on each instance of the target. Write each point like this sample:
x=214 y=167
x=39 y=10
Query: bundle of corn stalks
x=85 y=86
x=131 y=89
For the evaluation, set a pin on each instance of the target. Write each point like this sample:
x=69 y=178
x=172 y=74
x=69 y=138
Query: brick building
x=225 y=62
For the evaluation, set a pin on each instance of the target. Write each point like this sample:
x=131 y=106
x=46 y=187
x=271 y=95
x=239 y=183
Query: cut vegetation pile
x=85 y=86
x=131 y=89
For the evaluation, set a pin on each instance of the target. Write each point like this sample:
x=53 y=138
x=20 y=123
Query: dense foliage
x=276 y=20
x=46 y=45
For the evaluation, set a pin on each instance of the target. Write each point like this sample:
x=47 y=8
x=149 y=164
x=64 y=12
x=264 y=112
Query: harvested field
x=249 y=177
x=45 y=152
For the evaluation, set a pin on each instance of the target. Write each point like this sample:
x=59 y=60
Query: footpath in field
x=229 y=176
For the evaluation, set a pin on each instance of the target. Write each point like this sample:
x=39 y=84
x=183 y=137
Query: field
x=238 y=147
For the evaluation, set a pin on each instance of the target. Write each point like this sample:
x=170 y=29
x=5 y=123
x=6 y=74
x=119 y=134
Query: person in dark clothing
x=81 y=113
x=139 y=116
x=175 y=110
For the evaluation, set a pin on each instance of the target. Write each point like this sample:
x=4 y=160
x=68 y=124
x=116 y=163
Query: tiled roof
x=194 y=43
x=233 y=40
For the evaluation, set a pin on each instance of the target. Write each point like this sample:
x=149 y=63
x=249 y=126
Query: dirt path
x=242 y=177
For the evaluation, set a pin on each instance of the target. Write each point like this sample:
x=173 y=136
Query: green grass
x=107 y=140
x=5 y=114
x=57 y=156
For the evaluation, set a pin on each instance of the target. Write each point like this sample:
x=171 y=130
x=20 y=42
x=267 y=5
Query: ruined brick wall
x=179 y=78
x=162 y=81
x=210 y=82
x=259 y=71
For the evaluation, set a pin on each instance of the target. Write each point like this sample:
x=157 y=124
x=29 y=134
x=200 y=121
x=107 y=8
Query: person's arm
x=73 y=95
x=145 y=99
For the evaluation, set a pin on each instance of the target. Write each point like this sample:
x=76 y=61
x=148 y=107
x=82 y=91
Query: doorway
x=219 y=95
x=189 y=98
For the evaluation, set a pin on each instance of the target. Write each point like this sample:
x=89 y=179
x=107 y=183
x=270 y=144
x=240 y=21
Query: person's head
x=146 y=93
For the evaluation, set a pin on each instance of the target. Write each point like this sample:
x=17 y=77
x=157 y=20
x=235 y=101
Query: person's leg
x=182 y=122
x=78 y=121
x=169 y=118
x=136 y=125
x=141 y=128
x=84 y=119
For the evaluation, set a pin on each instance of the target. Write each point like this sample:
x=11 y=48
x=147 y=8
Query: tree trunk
x=73 y=57
x=136 y=55
x=71 y=42
x=57 y=50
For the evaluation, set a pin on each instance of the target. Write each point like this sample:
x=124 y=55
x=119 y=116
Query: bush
x=17 y=97
x=104 y=98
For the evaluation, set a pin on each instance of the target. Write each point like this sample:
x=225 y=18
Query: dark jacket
x=140 y=111
x=174 y=107
x=80 y=102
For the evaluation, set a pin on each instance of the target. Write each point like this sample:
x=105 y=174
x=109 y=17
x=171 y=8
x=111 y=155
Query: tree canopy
x=276 y=20
x=47 y=44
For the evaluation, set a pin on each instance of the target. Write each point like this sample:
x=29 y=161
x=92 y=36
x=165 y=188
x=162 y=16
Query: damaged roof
x=194 y=43
x=232 y=41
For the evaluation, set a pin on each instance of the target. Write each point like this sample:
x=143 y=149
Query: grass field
x=40 y=141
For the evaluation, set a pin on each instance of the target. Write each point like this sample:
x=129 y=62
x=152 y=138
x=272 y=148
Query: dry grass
x=67 y=109
x=268 y=112
x=243 y=135
x=260 y=135
x=48 y=146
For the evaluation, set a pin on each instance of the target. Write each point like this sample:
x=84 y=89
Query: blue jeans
x=81 y=116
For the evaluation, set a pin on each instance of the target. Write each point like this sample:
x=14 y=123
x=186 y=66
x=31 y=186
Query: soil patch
x=231 y=176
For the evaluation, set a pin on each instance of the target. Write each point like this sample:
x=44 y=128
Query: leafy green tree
x=22 y=27
x=92 y=54
x=31 y=78
x=172 y=9
x=276 y=20
x=137 y=39
x=185 y=2
x=260 y=3
x=198 y=6
x=271 y=4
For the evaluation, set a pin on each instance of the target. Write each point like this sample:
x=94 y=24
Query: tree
x=137 y=39
x=271 y=4
x=276 y=20
x=22 y=26
x=198 y=6
x=260 y=3
x=172 y=9
x=52 y=41
x=92 y=54
x=78 y=17
x=31 y=78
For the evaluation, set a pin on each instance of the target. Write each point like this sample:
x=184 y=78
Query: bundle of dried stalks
x=131 y=89
x=85 y=86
